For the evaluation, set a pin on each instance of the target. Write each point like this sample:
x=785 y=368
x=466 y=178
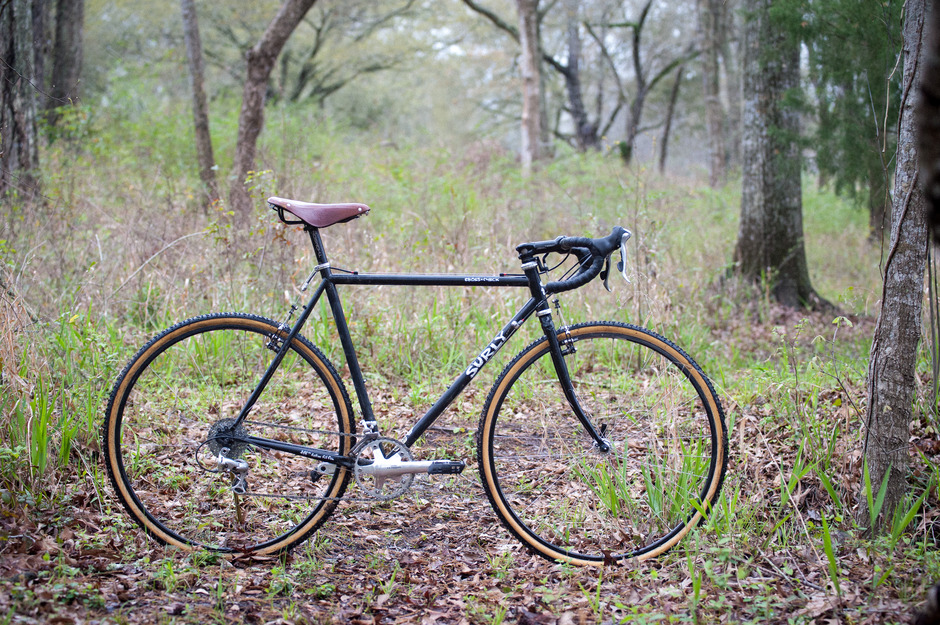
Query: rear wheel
x=557 y=492
x=170 y=416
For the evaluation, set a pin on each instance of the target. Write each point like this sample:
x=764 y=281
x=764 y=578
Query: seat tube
x=342 y=328
x=544 y=313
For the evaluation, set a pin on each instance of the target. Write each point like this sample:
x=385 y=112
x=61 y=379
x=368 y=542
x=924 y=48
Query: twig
x=147 y=262
x=784 y=575
x=796 y=509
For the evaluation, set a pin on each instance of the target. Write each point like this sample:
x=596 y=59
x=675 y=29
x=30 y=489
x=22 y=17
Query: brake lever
x=622 y=265
x=605 y=274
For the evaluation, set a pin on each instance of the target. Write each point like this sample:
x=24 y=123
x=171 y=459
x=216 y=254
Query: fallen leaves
x=438 y=555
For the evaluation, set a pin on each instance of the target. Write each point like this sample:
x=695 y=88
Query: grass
x=121 y=249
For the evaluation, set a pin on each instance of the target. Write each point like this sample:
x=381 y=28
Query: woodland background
x=762 y=153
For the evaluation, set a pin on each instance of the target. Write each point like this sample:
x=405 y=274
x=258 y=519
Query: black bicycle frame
x=329 y=280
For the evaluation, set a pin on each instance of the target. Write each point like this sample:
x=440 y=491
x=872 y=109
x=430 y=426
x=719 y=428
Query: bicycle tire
x=550 y=485
x=189 y=379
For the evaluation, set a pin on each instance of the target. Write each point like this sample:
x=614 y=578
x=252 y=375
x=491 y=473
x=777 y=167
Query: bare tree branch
x=497 y=21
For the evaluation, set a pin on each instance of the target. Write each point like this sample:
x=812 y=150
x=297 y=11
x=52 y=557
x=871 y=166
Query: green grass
x=137 y=254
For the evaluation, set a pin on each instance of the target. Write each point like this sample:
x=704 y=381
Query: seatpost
x=318 y=249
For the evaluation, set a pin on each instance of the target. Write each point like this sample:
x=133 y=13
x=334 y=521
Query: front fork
x=564 y=378
x=544 y=314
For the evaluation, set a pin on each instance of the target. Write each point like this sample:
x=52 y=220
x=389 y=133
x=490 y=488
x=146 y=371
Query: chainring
x=383 y=487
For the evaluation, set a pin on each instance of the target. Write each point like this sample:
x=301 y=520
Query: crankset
x=385 y=468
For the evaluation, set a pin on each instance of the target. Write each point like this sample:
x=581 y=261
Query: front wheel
x=557 y=492
x=170 y=417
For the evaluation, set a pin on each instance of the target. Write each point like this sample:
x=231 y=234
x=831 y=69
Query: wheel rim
x=192 y=381
x=566 y=499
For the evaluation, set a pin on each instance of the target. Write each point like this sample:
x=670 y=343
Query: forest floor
x=438 y=555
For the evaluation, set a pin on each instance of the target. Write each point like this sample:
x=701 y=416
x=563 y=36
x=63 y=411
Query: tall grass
x=121 y=248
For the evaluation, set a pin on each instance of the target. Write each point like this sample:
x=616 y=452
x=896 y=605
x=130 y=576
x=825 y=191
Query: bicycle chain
x=313 y=497
x=418 y=489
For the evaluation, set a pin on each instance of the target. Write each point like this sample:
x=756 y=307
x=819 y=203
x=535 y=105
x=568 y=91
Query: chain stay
x=366 y=439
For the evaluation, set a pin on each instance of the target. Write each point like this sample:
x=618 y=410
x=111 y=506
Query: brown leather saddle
x=316 y=215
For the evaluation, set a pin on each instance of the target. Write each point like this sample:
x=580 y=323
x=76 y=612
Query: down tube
x=470 y=372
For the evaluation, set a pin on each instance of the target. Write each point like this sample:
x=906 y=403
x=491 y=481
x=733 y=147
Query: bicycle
x=599 y=441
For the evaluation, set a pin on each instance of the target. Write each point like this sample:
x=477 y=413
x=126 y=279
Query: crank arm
x=393 y=468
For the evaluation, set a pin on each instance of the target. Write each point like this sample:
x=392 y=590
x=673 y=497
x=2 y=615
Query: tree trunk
x=546 y=134
x=878 y=200
x=19 y=147
x=40 y=46
x=730 y=61
x=894 y=349
x=67 y=56
x=709 y=15
x=670 y=113
x=770 y=235
x=633 y=124
x=585 y=131
x=528 y=38
x=260 y=60
x=200 y=108
x=928 y=122
x=641 y=88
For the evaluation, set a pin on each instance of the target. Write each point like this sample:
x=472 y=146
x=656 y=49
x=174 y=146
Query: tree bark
x=260 y=60
x=709 y=16
x=585 y=131
x=67 y=55
x=531 y=79
x=670 y=113
x=200 y=108
x=729 y=44
x=928 y=121
x=770 y=236
x=894 y=349
x=40 y=45
x=19 y=145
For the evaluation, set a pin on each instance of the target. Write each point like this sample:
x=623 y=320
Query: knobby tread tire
x=514 y=461
x=325 y=374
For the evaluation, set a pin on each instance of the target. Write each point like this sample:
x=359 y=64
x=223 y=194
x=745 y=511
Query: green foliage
x=855 y=81
x=830 y=556
x=137 y=253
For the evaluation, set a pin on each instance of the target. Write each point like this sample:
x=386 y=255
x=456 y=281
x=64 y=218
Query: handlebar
x=591 y=254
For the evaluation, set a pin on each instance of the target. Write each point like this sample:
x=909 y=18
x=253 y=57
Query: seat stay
x=281 y=353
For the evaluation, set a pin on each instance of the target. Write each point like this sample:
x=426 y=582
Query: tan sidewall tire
x=538 y=349
x=198 y=325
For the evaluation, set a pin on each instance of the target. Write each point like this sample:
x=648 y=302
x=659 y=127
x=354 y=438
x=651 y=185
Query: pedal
x=443 y=467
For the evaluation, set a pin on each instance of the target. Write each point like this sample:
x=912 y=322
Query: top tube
x=405 y=279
